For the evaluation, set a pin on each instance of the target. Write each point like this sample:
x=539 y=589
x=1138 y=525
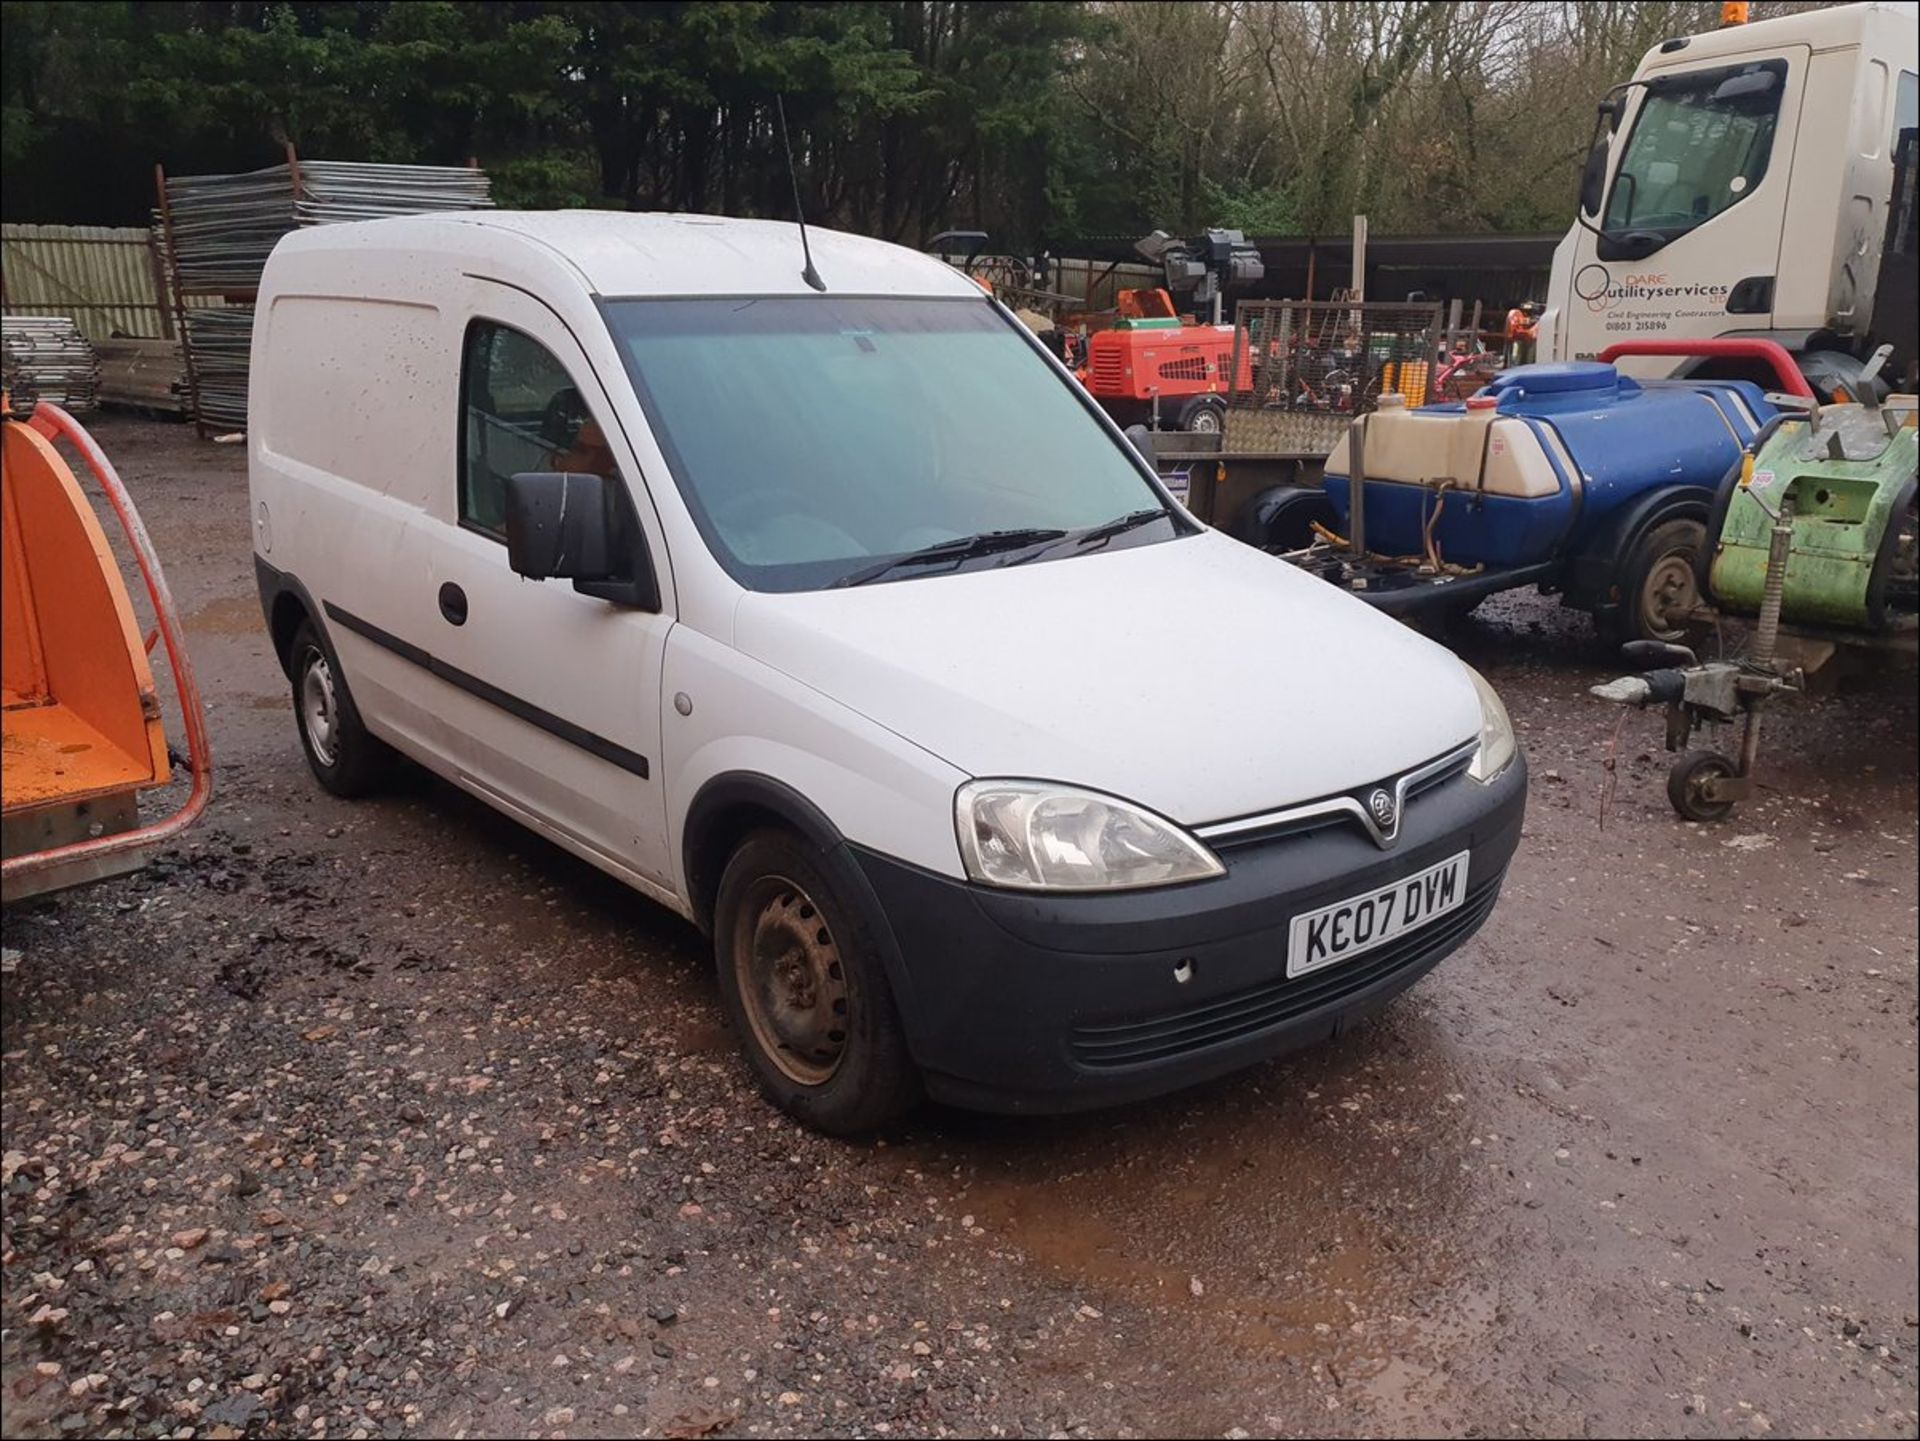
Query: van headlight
x=1030 y=835
x=1497 y=745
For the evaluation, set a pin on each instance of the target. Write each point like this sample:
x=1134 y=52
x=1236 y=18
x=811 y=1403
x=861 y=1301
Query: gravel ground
x=389 y=1119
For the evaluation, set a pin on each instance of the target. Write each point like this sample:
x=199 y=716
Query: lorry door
x=1693 y=212
x=555 y=708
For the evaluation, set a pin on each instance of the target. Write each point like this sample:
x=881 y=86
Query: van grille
x=1317 y=815
x=1263 y=1007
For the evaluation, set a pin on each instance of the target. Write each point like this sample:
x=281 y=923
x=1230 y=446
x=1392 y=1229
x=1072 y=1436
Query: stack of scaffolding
x=220 y=341
x=224 y=226
x=142 y=373
x=53 y=359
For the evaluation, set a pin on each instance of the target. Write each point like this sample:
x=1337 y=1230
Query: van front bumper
x=1015 y=1001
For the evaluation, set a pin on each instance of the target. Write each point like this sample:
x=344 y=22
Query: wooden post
x=1358 y=290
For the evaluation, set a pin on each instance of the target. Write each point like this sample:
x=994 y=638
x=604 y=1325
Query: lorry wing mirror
x=570 y=525
x=1593 y=179
x=1593 y=176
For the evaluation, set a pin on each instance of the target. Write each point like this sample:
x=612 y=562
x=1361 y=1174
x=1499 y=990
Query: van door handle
x=453 y=603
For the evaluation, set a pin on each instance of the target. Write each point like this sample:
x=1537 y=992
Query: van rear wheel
x=806 y=991
x=344 y=756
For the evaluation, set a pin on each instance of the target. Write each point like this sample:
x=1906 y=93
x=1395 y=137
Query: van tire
x=794 y=955
x=343 y=754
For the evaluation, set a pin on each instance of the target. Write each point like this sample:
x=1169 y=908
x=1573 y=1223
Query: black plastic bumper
x=1022 y=1002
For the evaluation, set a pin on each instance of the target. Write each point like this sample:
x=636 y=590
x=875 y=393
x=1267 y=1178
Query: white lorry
x=1739 y=186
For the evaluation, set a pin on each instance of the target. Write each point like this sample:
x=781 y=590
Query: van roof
x=620 y=253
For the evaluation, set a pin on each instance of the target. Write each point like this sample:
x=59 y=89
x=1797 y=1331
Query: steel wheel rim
x=319 y=708
x=792 y=982
x=1670 y=590
x=1206 y=421
x=1704 y=804
x=1697 y=785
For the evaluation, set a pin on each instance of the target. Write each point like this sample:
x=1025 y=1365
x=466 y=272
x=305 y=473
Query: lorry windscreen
x=1700 y=144
x=815 y=437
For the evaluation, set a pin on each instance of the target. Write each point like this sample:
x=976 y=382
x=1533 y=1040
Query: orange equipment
x=1145 y=305
x=1149 y=365
x=80 y=731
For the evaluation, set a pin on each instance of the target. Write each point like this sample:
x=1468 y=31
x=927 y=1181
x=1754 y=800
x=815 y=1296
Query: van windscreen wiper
x=1095 y=535
x=963 y=547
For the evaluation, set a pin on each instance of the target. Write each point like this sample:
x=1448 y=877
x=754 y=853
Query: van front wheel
x=806 y=992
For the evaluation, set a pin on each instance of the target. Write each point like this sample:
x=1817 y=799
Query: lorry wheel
x=1686 y=786
x=1204 y=415
x=1658 y=586
x=343 y=754
x=806 y=991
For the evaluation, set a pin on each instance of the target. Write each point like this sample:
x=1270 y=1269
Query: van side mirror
x=570 y=525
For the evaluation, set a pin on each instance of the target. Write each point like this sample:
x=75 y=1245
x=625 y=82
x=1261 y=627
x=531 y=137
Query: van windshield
x=817 y=438
x=1700 y=144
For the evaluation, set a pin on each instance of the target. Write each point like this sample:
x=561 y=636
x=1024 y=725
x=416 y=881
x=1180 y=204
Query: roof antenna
x=810 y=275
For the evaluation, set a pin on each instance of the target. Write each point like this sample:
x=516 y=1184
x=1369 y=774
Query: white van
x=843 y=623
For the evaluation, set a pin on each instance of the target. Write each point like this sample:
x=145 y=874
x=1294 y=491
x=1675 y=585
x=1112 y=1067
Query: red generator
x=1184 y=367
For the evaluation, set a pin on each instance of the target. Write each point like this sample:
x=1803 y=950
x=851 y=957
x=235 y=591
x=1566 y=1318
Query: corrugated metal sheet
x=102 y=277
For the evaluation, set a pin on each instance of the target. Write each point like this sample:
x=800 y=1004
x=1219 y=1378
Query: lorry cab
x=842 y=622
x=1739 y=186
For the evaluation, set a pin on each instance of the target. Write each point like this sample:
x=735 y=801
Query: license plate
x=1348 y=928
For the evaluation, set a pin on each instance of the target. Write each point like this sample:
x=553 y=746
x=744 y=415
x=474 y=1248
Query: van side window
x=519 y=412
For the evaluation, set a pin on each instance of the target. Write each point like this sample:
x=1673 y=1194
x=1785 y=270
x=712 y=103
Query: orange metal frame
x=52 y=422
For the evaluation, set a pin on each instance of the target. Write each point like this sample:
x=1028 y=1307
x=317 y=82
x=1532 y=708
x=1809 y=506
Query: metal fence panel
x=1304 y=369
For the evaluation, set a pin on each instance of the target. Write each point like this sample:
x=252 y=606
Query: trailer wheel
x=1657 y=583
x=1281 y=517
x=1203 y=415
x=1687 y=782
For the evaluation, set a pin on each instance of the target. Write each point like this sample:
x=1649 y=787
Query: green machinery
x=1813 y=538
x=1846 y=473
